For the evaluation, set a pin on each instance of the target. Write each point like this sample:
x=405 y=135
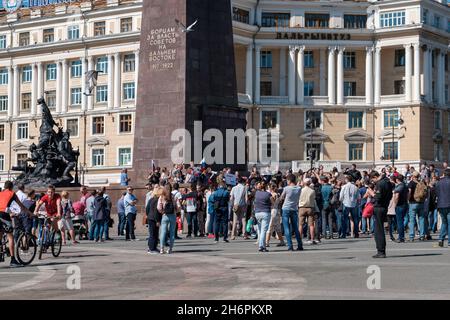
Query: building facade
x=339 y=81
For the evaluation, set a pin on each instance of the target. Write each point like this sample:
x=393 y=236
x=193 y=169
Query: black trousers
x=380 y=216
x=152 y=235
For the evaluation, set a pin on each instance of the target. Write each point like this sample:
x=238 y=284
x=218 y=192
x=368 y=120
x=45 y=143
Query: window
x=2 y=42
x=400 y=58
x=75 y=96
x=102 y=64
x=316 y=119
x=27 y=74
x=266 y=88
x=438 y=154
x=73 y=32
x=99 y=29
x=126 y=25
x=266 y=59
x=317 y=20
x=125 y=157
x=3 y=103
x=98 y=157
x=125 y=122
x=437 y=120
x=269 y=119
x=76 y=69
x=309 y=59
x=129 y=63
x=98 y=125
x=2 y=162
x=3 y=76
x=26 y=102
x=49 y=35
x=437 y=21
x=353 y=21
x=241 y=15
x=308 y=88
x=355 y=151
x=391 y=118
x=2 y=132
x=313 y=151
x=72 y=127
x=392 y=19
x=22 y=160
x=102 y=94
x=355 y=119
x=349 y=88
x=349 y=60
x=425 y=16
x=129 y=91
x=390 y=151
x=51 y=99
x=24 y=39
x=279 y=20
x=51 y=72
x=399 y=87
x=22 y=131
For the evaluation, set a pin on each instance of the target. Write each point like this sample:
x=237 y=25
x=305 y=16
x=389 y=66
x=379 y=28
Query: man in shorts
x=307 y=203
x=7 y=197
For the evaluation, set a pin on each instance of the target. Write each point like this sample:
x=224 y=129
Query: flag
x=153 y=166
x=203 y=163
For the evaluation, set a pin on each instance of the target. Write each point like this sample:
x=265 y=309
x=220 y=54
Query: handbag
x=368 y=211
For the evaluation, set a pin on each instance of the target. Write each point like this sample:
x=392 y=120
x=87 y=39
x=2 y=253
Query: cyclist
x=52 y=202
x=7 y=197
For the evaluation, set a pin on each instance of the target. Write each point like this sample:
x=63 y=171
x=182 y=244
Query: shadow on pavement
x=416 y=255
x=194 y=251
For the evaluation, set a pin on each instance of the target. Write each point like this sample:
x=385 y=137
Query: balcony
x=274 y=100
x=354 y=100
x=316 y=100
x=393 y=100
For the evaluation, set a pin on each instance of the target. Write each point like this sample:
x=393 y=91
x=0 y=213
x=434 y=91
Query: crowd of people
x=309 y=206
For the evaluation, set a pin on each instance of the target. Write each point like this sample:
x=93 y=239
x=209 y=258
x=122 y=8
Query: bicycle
x=26 y=248
x=4 y=248
x=49 y=238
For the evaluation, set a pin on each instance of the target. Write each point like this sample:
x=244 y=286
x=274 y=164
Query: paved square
x=200 y=269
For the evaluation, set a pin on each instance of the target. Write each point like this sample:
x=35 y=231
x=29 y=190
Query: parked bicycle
x=49 y=238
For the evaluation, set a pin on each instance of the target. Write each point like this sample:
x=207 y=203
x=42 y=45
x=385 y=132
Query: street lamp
x=395 y=123
x=309 y=123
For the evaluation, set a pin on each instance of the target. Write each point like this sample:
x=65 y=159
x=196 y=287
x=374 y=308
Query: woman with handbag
x=65 y=224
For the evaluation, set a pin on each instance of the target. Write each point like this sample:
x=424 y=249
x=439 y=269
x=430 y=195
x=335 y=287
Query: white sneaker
x=309 y=242
x=162 y=251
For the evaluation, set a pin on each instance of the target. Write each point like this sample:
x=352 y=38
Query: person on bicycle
x=52 y=202
x=7 y=197
x=22 y=221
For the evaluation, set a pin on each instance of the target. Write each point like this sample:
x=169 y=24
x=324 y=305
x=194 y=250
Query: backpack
x=421 y=192
x=169 y=208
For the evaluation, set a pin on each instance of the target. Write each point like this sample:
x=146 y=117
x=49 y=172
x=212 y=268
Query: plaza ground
x=200 y=269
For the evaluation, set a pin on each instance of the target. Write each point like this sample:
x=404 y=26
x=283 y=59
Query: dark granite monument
x=185 y=75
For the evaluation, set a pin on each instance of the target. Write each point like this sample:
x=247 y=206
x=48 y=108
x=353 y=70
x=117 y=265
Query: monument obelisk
x=183 y=76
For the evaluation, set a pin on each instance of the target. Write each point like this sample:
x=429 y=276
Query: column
x=291 y=75
x=257 y=75
x=426 y=74
x=91 y=98
x=369 y=75
x=340 y=77
x=10 y=91
x=377 y=87
x=136 y=73
x=249 y=72
x=16 y=92
x=40 y=80
x=416 y=91
x=301 y=75
x=65 y=86
x=331 y=76
x=408 y=73
x=441 y=78
x=83 y=84
x=322 y=81
x=110 y=82
x=58 y=87
x=34 y=92
x=283 y=55
x=117 y=81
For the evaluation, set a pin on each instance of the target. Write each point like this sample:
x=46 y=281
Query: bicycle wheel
x=42 y=243
x=26 y=249
x=56 y=241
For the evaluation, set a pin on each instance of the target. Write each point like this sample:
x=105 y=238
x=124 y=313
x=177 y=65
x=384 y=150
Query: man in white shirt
x=239 y=198
x=21 y=219
x=349 y=198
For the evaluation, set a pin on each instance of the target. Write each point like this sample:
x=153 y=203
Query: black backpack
x=169 y=208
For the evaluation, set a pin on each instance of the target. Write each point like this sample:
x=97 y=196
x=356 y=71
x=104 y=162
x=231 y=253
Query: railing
x=274 y=100
x=316 y=100
x=355 y=100
x=393 y=99
x=244 y=98
x=306 y=165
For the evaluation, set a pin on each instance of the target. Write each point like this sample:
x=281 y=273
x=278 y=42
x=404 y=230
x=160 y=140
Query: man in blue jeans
x=416 y=208
x=220 y=199
x=349 y=197
x=291 y=196
x=121 y=214
x=443 y=205
x=401 y=208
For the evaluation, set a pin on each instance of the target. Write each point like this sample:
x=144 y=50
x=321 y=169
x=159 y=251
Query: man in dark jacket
x=220 y=198
x=100 y=214
x=153 y=220
x=443 y=205
x=383 y=195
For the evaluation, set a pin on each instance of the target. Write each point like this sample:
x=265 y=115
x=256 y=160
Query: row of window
x=436 y=22
x=308 y=88
x=73 y=33
x=76 y=69
x=72 y=126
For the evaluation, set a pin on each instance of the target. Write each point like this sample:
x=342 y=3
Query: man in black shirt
x=401 y=206
x=383 y=195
